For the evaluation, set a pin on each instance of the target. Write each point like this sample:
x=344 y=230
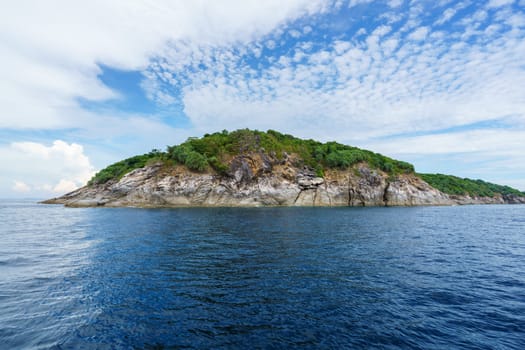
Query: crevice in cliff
x=358 y=197
x=385 y=193
x=222 y=194
x=201 y=196
x=328 y=194
x=297 y=197
x=350 y=191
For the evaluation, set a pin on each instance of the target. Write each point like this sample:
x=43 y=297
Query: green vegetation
x=458 y=186
x=215 y=150
x=185 y=154
x=119 y=169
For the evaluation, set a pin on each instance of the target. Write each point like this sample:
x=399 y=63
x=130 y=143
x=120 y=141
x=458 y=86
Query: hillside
x=454 y=185
x=212 y=152
x=254 y=168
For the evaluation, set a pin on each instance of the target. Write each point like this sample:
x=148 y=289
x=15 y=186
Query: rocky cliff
x=257 y=179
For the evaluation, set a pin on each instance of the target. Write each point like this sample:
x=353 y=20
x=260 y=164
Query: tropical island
x=250 y=168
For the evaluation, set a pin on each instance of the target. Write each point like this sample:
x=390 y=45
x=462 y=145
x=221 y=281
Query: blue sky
x=435 y=83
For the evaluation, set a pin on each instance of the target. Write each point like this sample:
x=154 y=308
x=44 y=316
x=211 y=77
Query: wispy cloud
x=499 y=3
x=353 y=3
x=50 y=54
x=376 y=86
x=395 y=3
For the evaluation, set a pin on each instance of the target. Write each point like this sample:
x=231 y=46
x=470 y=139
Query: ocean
x=262 y=278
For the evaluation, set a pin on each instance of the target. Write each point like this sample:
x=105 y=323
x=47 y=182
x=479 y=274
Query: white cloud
x=493 y=142
x=419 y=34
x=361 y=31
x=45 y=170
x=20 y=186
x=354 y=3
x=294 y=33
x=395 y=3
x=447 y=15
x=50 y=52
x=65 y=186
x=373 y=88
x=69 y=158
x=381 y=30
x=516 y=20
x=271 y=44
x=494 y=155
x=499 y=3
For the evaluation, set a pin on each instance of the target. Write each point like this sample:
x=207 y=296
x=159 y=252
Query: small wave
x=16 y=261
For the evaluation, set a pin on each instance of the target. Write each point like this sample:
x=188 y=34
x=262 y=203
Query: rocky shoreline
x=256 y=180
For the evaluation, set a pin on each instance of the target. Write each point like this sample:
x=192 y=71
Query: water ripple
x=389 y=278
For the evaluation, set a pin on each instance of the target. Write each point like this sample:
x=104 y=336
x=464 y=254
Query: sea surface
x=266 y=278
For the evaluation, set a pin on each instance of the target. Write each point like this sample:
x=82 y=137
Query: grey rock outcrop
x=256 y=180
x=259 y=179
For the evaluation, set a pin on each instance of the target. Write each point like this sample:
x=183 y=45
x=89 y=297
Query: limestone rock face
x=260 y=180
x=367 y=188
x=414 y=191
x=513 y=199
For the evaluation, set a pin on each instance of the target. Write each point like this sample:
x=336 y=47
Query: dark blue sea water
x=318 y=278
